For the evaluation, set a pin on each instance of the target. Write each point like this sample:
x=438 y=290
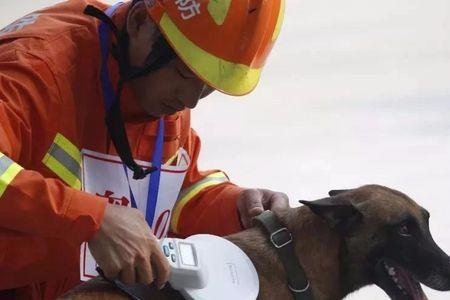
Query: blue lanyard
x=108 y=99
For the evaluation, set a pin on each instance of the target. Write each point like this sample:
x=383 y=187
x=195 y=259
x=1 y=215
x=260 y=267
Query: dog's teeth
x=391 y=271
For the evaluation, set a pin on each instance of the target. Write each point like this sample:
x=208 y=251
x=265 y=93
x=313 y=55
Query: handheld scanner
x=184 y=258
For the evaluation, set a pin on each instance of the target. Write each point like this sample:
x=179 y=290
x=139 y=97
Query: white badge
x=104 y=175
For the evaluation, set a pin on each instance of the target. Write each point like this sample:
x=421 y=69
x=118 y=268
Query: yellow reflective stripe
x=280 y=20
x=68 y=147
x=188 y=193
x=218 y=9
x=227 y=77
x=64 y=159
x=170 y=161
x=63 y=173
x=8 y=171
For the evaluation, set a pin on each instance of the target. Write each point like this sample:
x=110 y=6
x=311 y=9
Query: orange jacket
x=49 y=85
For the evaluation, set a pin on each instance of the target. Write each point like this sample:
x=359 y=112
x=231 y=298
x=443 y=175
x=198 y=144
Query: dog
x=351 y=239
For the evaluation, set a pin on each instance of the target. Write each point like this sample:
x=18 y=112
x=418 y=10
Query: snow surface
x=356 y=92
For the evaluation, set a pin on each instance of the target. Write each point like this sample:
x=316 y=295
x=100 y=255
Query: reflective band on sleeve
x=68 y=147
x=190 y=192
x=8 y=171
x=64 y=159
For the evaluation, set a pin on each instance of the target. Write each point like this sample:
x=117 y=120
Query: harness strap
x=134 y=292
x=281 y=239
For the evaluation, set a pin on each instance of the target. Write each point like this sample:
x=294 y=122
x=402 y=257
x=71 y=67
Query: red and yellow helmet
x=225 y=42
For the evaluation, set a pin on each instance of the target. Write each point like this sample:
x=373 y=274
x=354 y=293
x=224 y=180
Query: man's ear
x=142 y=33
x=138 y=18
x=338 y=211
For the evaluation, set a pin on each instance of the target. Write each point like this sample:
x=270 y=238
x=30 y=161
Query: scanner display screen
x=187 y=254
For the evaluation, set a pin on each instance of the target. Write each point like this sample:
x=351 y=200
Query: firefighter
x=95 y=136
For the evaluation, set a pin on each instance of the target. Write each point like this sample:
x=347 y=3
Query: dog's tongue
x=406 y=281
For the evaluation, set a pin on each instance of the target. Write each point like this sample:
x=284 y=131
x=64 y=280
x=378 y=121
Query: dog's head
x=386 y=241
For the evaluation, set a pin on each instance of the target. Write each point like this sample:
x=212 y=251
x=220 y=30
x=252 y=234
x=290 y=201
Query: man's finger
x=254 y=203
x=249 y=206
x=111 y=272
x=245 y=220
x=278 y=201
x=128 y=275
x=162 y=266
x=144 y=272
x=255 y=211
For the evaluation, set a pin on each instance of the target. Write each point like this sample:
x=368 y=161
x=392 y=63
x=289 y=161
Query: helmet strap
x=160 y=55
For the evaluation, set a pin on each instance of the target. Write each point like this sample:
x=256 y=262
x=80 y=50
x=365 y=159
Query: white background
x=356 y=92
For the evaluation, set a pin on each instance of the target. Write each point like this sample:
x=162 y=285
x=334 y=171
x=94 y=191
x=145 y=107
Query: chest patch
x=20 y=24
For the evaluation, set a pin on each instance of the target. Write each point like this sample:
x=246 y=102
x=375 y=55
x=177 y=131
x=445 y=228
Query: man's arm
x=35 y=206
x=207 y=202
x=30 y=203
x=210 y=203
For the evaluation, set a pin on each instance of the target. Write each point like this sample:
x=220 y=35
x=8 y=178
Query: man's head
x=175 y=52
x=170 y=88
x=219 y=45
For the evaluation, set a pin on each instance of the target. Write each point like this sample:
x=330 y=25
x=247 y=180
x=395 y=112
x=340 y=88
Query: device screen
x=187 y=254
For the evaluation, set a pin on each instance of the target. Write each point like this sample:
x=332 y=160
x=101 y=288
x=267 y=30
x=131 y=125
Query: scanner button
x=174 y=258
x=171 y=245
x=166 y=251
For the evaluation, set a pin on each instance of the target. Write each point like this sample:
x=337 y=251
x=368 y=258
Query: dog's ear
x=336 y=192
x=338 y=211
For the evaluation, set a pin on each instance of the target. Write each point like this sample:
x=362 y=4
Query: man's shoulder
x=59 y=29
x=52 y=21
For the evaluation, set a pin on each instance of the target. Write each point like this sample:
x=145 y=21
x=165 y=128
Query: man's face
x=170 y=89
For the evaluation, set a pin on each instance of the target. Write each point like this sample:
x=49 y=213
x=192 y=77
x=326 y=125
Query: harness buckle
x=301 y=290
x=281 y=243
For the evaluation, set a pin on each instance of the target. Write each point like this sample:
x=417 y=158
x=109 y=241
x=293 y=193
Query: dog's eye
x=403 y=230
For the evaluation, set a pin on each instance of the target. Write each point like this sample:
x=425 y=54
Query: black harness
x=281 y=239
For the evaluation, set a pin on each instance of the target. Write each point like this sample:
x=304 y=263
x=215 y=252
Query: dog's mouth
x=398 y=282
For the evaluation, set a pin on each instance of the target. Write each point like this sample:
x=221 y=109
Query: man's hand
x=125 y=248
x=253 y=202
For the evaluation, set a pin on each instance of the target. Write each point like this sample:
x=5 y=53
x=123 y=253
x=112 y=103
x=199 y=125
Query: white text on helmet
x=188 y=8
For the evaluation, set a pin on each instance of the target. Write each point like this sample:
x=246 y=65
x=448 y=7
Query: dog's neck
x=318 y=250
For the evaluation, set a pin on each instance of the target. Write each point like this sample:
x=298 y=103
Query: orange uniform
x=50 y=88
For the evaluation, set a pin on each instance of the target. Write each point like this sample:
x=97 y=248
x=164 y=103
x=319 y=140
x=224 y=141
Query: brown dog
x=354 y=238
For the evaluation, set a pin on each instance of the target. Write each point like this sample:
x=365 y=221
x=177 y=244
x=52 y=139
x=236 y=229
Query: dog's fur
x=344 y=242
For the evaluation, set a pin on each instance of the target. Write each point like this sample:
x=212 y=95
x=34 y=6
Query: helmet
x=224 y=42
